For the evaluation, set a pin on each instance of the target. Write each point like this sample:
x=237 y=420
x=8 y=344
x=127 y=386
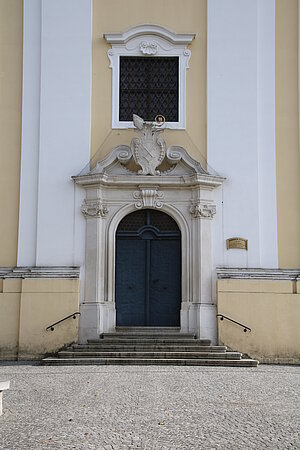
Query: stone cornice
x=257 y=274
x=40 y=272
x=183 y=181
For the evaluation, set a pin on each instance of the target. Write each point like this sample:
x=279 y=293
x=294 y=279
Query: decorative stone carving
x=94 y=208
x=202 y=211
x=148 y=198
x=148 y=48
x=121 y=154
x=148 y=148
x=176 y=154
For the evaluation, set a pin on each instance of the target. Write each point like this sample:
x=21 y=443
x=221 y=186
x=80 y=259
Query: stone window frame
x=148 y=40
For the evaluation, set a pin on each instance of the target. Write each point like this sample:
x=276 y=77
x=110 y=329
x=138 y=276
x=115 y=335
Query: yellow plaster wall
x=117 y=16
x=272 y=313
x=27 y=307
x=9 y=324
x=11 y=41
x=287 y=145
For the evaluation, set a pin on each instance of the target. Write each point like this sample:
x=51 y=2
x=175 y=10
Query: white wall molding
x=241 y=128
x=30 y=146
x=57 y=54
x=299 y=71
x=266 y=146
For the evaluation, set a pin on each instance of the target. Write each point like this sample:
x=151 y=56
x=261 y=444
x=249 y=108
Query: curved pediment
x=176 y=161
x=147 y=156
x=149 y=30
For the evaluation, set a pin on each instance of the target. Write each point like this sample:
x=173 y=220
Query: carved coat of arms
x=148 y=148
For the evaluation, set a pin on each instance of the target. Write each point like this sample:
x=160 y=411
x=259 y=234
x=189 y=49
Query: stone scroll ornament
x=148 y=149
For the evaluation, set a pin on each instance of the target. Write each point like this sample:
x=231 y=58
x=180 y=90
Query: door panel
x=148 y=270
x=165 y=283
x=130 y=282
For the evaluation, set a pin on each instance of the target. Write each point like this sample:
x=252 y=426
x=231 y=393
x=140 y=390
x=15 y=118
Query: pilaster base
x=96 y=318
x=199 y=318
x=208 y=322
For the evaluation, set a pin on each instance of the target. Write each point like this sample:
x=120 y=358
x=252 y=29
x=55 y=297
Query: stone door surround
x=183 y=191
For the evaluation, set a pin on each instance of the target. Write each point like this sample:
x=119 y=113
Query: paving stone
x=120 y=407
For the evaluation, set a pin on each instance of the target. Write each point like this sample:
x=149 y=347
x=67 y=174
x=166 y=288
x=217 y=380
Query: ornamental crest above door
x=151 y=158
x=148 y=149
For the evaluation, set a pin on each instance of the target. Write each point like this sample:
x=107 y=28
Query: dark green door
x=148 y=270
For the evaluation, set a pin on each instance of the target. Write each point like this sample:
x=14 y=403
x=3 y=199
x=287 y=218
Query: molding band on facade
x=257 y=274
x=40 y=272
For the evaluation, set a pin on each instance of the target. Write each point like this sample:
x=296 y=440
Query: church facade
x=150 y=172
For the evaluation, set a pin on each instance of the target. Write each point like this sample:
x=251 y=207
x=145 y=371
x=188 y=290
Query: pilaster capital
x=200 y=210
x=94 y=208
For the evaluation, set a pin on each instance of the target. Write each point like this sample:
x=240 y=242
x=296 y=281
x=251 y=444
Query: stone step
x=150 y=355
x=148 y=329
x=151 y=362
x=147 y=335
x=142 y=346
x=147 y=347
x=163 y=340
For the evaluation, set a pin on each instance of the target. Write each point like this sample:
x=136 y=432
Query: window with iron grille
x=149 y=86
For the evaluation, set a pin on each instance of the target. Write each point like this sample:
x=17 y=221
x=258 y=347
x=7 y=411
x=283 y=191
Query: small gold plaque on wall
x=237 y=242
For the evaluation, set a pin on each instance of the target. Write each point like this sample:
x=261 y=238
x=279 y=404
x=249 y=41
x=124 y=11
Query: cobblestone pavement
x=117 y=407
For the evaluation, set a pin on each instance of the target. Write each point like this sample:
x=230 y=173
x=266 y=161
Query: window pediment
x=151 y=30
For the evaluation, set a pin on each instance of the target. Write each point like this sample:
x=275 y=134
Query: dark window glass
x=148 y=86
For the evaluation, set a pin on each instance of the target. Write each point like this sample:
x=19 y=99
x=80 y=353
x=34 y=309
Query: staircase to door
x=148 y=298
x=149 y=346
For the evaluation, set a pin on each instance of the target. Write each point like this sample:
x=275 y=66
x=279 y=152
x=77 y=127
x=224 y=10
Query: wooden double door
x=148 y=270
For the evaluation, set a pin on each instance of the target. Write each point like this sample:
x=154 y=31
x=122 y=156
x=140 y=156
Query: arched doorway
x=148 y=270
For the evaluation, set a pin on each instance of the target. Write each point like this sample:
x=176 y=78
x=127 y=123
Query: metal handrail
x=222 y=317
x=51 y=327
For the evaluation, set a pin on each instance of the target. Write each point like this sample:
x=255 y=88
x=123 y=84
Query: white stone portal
x=183 y=190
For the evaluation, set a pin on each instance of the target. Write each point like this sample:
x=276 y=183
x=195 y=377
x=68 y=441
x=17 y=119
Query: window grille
x=136 y=220
x=149 y=86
